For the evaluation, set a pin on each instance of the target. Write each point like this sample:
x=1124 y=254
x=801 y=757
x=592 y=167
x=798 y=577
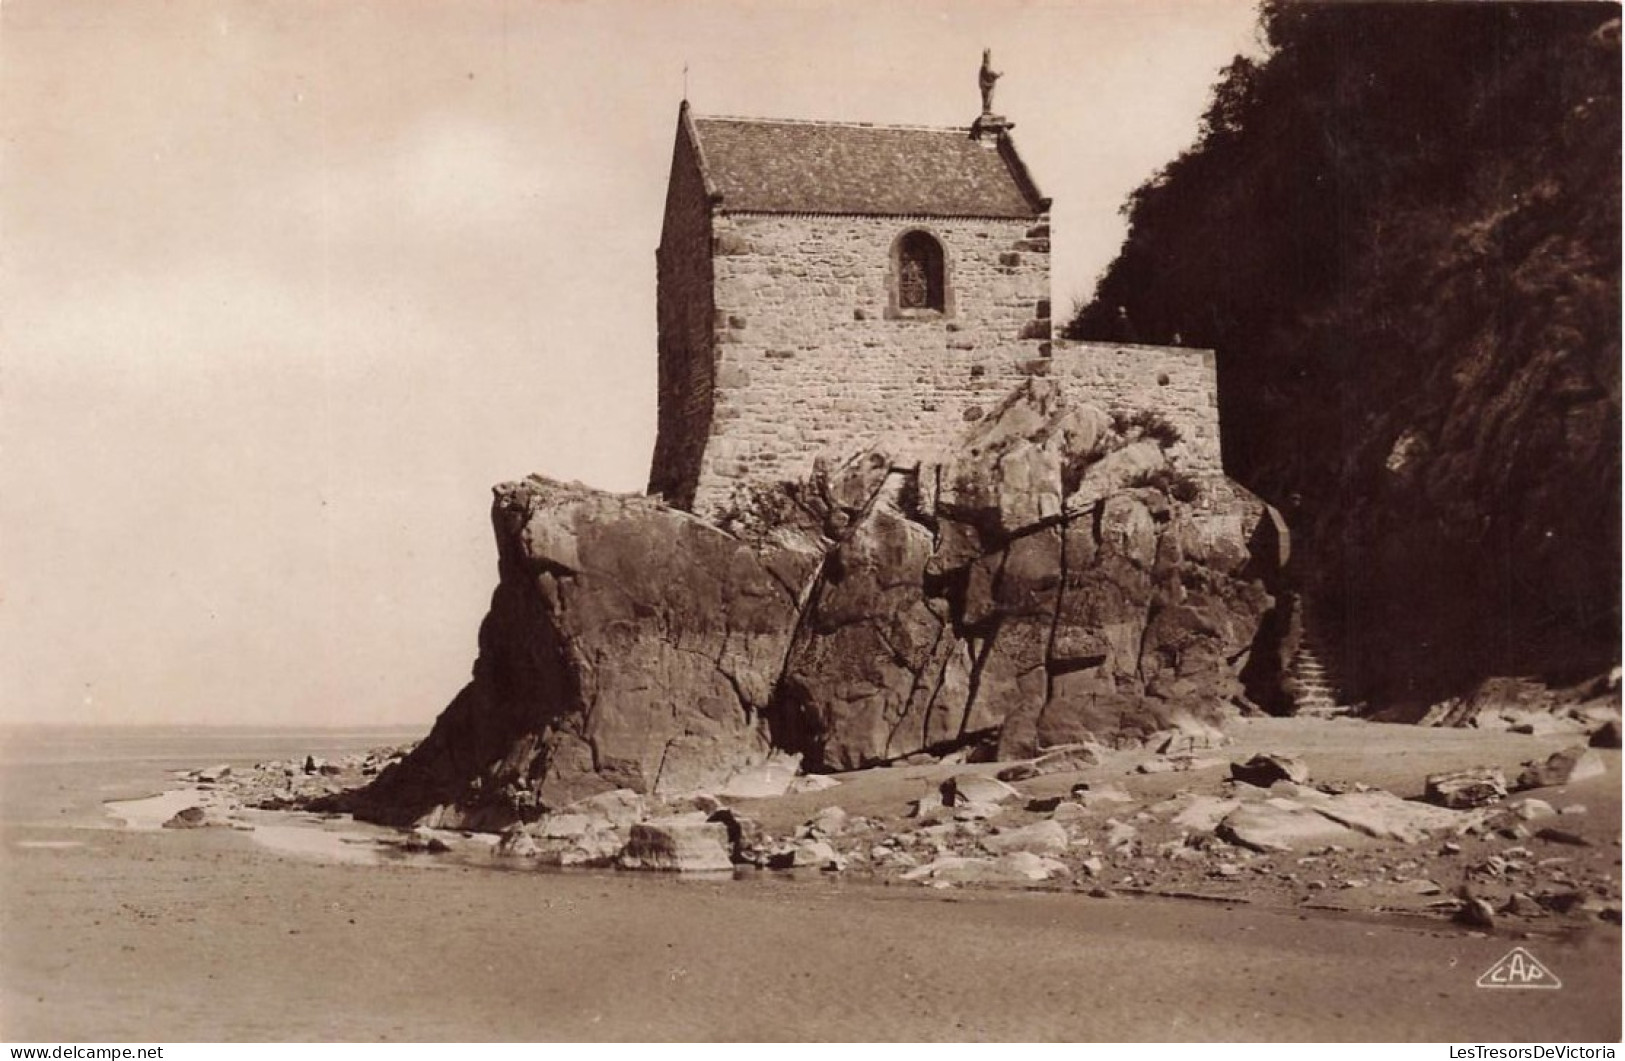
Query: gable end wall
x=810 y=361
x=685 y=313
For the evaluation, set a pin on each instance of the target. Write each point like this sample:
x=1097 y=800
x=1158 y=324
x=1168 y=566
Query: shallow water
x=48 y=844
x=62 y=776
x=307 y=840
x=151 y=812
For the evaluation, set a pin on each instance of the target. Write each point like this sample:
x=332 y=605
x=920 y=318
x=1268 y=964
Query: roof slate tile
x=827 y=168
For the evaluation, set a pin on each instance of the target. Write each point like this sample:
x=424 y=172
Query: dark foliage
x=1181 y=486
x=1147 y=423
x=1400 y=233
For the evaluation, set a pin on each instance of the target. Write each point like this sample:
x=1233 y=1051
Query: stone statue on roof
x=986 y=80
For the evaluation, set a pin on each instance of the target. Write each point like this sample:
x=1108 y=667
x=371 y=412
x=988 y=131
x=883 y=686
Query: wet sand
x=202 y=936
x=205 y=935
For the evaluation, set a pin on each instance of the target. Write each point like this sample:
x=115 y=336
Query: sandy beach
x=112 y=934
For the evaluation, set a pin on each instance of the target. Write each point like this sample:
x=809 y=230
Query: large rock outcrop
x=1417 y=328
x=1033 y=587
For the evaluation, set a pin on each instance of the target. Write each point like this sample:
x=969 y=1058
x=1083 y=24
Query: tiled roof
x=827 y=168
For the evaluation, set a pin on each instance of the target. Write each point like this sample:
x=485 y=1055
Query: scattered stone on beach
x=1264 y=769
x=831 y=821
x=1032 y=866
x=1119 y=835
x=212 y=774
x=1532 y=809
x=1477 y=786
x=1476 y=912
x=1201 y=813
x=1040 y=838
x=816 y=854
x=1016 y=867
x=517 y=843
x=1383 y=815
x=1566 y=767
x=683 y=844
x=1519 y=904
x=1281 y=825
x=1068 y=811
x=744 y=833
x=189 y=818
x=1091 y=796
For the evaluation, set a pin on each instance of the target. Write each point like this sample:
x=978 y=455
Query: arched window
x=919 y=273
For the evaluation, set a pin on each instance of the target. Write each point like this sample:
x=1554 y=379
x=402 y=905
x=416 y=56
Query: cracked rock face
x=628 y=645
x=868 y=614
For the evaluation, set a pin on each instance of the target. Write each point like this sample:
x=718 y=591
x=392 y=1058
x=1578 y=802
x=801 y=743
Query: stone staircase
x=1313 y=684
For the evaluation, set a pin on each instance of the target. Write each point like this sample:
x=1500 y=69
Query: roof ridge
x=831 y=122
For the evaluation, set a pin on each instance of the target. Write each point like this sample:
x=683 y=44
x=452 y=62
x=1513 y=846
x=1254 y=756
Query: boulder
x=1113 y=472
x=1032 y=866
x=1562 y=768
x=188 y=818
x=1040 y=838
x=1092 y=796
x=831 y=821
x=1067 y=759
x=1476 y=912
x=679 y=844
x=1068 y=811
x=1281 y=825
x=628 y=645
x=1203 y=813
x=1606 y=735
x=815 y=854
x=1532 y=809
x=1019 y=867
x=517 y=843
x=744 y=833
x=1464 y=789
x=561 y=840
x=975 y=789
x=1383 y=815
x=1265 y=769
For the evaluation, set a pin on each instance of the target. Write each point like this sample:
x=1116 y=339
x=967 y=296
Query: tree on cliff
x=1400 y=232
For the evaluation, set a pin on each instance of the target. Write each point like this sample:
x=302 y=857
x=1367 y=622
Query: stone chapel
x=827 y=286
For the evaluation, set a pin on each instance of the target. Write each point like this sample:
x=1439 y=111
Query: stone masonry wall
x=810 y=357
x=685 y=314
x=1178 y=382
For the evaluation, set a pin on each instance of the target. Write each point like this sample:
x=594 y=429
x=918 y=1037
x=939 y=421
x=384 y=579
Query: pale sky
x=285 y=287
